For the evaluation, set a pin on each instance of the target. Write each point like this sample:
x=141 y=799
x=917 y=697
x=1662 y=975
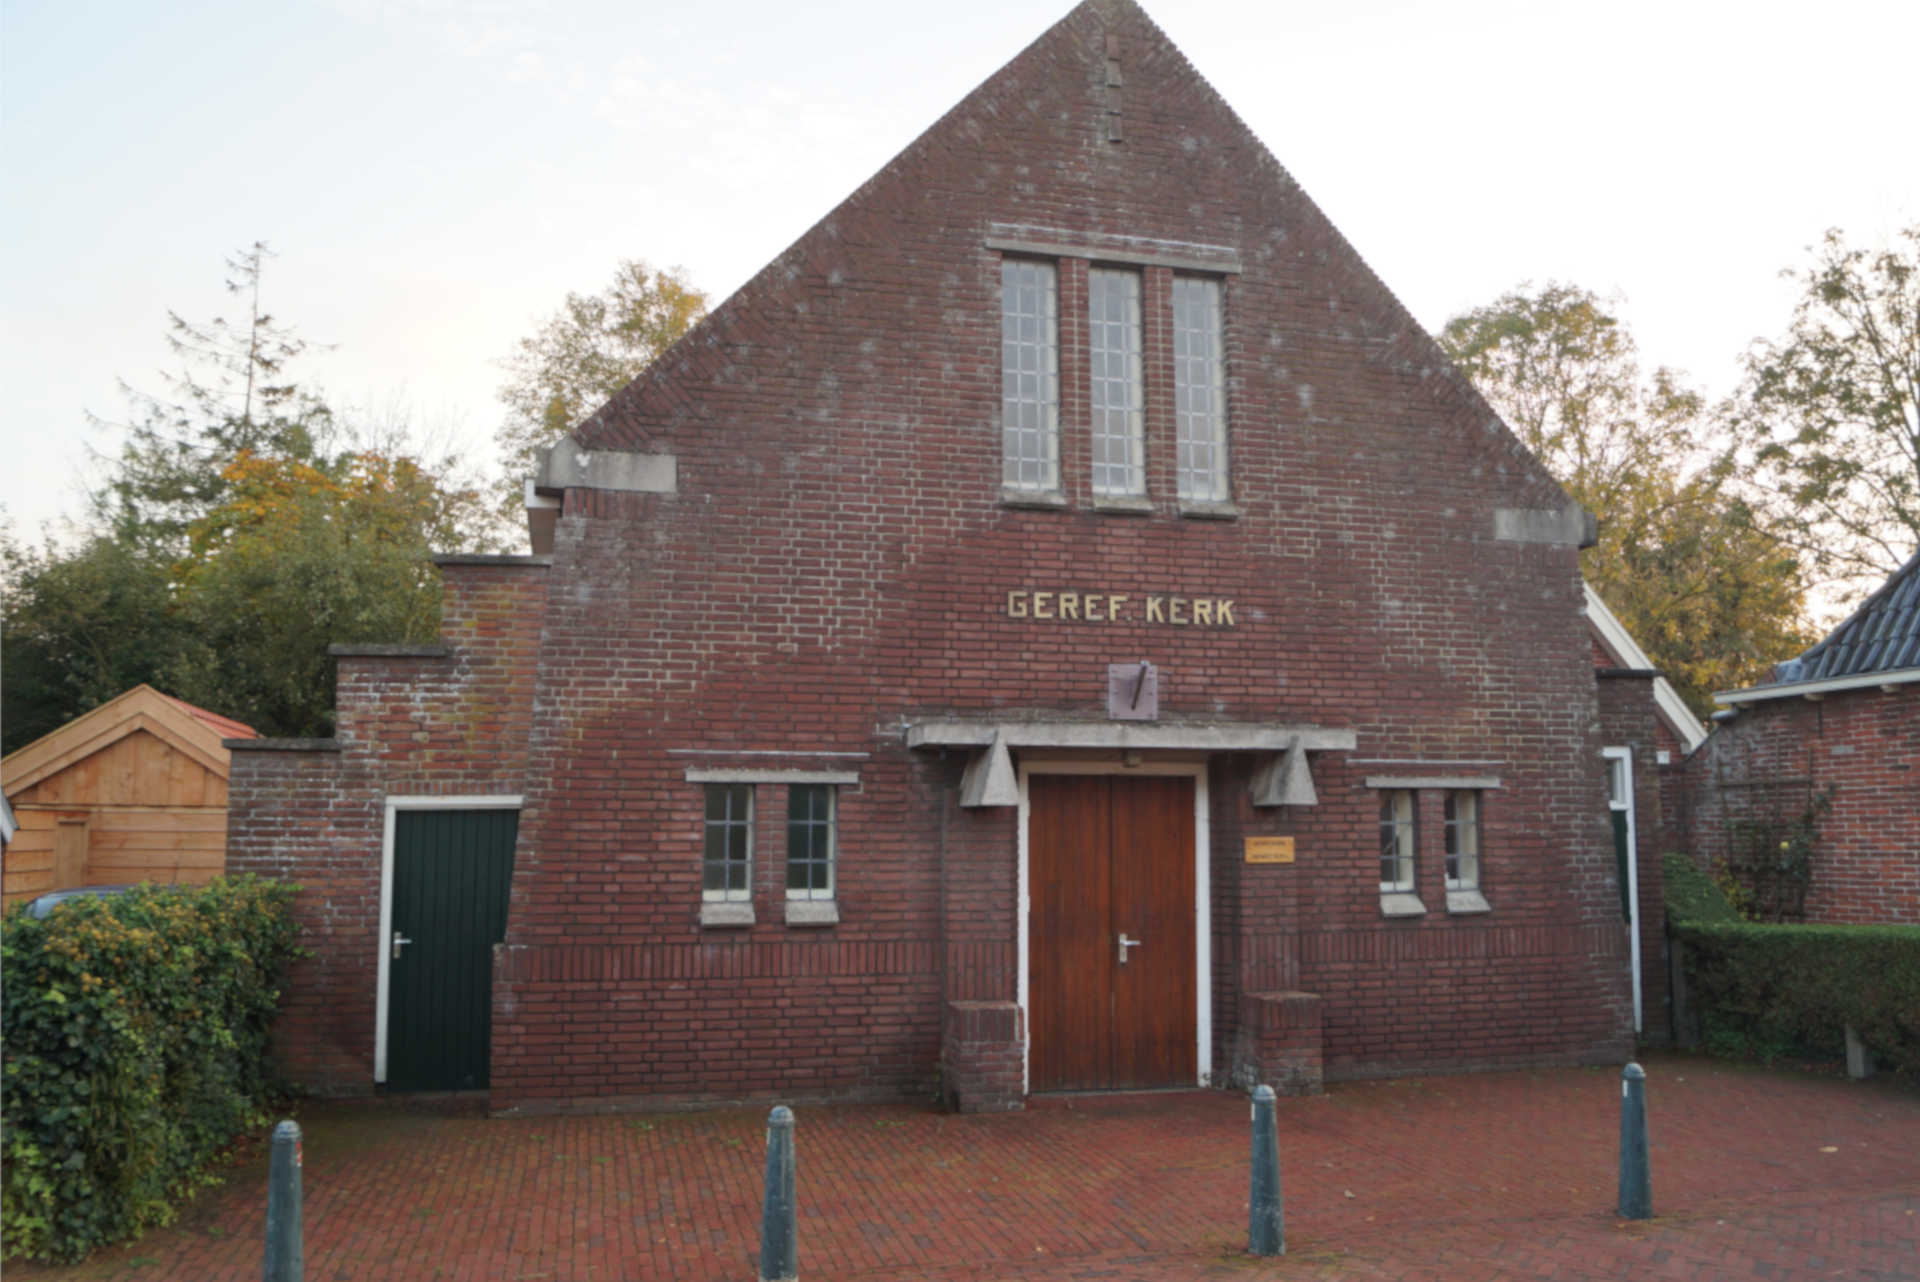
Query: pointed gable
x=1098 y=140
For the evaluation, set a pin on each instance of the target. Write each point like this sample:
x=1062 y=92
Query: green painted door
x=451 y=872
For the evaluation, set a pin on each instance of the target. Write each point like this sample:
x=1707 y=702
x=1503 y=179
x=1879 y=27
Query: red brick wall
x=315 y=813
x=1628 y=719
x=835 y=565
x=1860 y=747
x=836 y=562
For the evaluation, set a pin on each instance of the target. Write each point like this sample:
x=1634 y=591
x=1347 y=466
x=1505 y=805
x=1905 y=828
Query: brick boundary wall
x=1862 y=748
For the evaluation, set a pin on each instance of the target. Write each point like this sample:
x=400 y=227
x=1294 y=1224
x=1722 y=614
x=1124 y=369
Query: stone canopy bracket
x=1283 y=780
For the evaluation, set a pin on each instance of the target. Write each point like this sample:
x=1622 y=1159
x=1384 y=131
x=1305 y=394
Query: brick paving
x=1494 y=1176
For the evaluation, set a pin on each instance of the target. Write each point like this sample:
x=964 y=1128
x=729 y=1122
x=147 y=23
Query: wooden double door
x=1112 y=1003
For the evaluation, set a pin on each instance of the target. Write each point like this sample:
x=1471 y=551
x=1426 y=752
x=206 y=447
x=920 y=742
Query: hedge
x=135 y=1050
x=1693 y=896
x=1765 y=990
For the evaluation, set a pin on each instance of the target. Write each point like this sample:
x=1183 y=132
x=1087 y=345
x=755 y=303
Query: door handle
x=1125 y=944
x=399 y=941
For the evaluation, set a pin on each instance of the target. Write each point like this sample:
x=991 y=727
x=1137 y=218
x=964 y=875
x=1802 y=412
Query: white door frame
x=383 y=945
x=1621 y=760
x=1202 y=899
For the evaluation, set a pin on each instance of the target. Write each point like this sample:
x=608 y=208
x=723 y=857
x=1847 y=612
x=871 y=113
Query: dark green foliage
x=1692 y=896
x=78 y=628
x=1765 y=990
x=136 y=1039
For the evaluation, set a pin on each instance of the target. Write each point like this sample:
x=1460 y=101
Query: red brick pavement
x=1495 y=1176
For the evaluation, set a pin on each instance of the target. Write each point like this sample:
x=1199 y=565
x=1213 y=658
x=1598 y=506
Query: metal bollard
x=286 y=1253
x=779 y=1255
x=1266 y=1228
x=1636 y=1183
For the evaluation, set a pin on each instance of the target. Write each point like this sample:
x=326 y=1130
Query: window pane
x=1029 y=395
x=726 y=858
x=810 y=841
x=1396 y=840
x=1199 y=382
x=1463 y=841
x=1113 y=357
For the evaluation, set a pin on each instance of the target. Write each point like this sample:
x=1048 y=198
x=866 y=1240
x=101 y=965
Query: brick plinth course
x=1508 y=1175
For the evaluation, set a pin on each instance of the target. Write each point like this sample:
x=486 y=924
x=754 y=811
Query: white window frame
x=1029 y=377
x=1406 y=838
x=726 y=894
x=382 y=971
x=807 y=906
x=1464 y=850
x=1620 y=797
x=1200 y=389
x=799 y=912
x=1116 y=391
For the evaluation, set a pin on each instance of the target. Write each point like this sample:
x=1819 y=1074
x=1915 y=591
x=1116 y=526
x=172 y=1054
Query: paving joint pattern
x=1756 y=1174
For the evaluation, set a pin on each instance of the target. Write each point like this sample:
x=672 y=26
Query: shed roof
x=187 y=728
x=1883 y=635
x=1878 y=645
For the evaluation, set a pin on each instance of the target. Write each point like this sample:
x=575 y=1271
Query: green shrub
x=1693 y=896
x=135 y=1050
x=1763 y=990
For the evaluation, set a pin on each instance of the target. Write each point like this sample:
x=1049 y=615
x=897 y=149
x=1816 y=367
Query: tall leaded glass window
x=727 y=861
x=1396 y=840
x=810 y=841
x=1113 y=355
x=1029 y=376
x=1199 y=390
x=1463 y=840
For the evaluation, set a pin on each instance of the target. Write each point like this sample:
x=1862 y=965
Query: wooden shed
x=135 y=790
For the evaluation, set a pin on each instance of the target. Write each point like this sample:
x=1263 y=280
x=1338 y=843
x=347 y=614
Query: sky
x=434 y=176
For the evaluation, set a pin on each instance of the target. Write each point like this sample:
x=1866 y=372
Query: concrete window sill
x=1462 y=902
x=1197 y=510
x=1400 y=903
x=1048 y=499
x=723 y=913
x=813 y=912
x=1123 y=505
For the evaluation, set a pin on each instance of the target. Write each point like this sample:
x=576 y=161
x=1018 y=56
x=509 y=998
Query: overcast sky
x=436 y=175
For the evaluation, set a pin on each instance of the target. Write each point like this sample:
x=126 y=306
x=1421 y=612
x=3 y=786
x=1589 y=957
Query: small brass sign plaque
x=1269 y=850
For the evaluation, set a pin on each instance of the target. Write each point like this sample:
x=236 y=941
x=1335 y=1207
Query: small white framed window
x=810 y=841
x=1117 y=394
x=1199 y=390
x=1029 y=377
x=1463 y=840
x=1396 y=840
x=726 y=864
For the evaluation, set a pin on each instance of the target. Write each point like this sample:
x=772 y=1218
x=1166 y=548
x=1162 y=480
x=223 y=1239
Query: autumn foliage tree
x=591 y=348
x=1693 y=571
x=245 y=525
x=1829 y=414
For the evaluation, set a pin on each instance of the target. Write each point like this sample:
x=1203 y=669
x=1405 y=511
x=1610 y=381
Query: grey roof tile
x=1883 y=635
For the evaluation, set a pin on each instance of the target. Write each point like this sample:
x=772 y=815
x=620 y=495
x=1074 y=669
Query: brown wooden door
x=1111 y=855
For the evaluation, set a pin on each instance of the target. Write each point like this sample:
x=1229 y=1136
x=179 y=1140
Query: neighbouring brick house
x=1825 y=757
x=1062 y=624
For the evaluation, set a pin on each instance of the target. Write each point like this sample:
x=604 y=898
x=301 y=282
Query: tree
x=1695 y=574
x=245 y=525
x=78 y=628
x=300 y=557
x=588 y=350
x=1831 y=412
x=234 y=393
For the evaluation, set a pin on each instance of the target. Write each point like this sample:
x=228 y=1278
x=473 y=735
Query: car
x=46 y=903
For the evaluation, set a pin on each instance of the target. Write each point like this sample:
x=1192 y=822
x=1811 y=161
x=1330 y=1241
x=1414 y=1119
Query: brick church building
x=1061 y=626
